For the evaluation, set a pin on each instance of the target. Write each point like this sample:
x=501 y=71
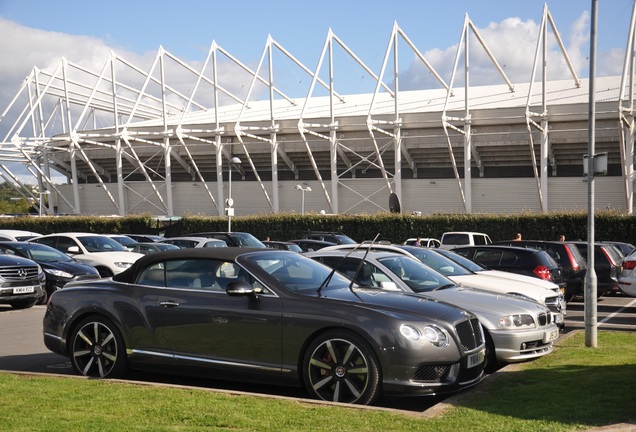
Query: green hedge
x=609 y=225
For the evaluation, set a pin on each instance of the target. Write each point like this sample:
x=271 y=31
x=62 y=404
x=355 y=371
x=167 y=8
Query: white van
x=454 y=239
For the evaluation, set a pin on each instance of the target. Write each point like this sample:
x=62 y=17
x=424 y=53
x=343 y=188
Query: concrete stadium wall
x=489 y=195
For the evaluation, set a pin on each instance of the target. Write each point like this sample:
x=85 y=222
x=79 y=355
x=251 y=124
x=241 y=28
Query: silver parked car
x=516 y=329
x=194 y=242
x=551 y=297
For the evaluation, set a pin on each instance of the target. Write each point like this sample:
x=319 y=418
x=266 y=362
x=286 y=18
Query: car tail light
x=543 y=272
x=575 y=264
x=629 y=265
x=609 y=258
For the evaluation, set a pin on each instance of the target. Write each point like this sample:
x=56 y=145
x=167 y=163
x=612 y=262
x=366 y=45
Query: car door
x=490 y=258
x=204 y=326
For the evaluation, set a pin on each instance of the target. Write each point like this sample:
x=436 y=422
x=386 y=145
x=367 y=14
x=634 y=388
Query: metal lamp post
x=42 y=200
x=303 y=189
x=230 y=202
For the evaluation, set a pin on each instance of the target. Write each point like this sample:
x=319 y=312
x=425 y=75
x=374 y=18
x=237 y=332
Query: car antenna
x=335 y=268
x=366 y=252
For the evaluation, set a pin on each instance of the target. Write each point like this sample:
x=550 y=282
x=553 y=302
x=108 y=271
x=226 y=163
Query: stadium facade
x=128 y=140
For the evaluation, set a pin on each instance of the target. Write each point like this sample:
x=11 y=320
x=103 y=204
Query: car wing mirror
x=73 y=250
x=239 y=288
x=389 y=286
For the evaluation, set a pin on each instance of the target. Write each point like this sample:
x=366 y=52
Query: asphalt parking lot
x=23 y=349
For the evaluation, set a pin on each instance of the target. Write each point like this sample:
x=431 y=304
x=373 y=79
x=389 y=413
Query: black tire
x=491 y=364
x=42 y=300
x=104 y=272
x=23 y=304
x=340 y=366
x=47 y=294
x=97 y=349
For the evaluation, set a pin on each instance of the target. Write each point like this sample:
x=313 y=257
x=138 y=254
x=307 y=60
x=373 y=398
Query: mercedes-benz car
x=21 y=281
x=58 y=267
x=256 y=314
x=516 y=329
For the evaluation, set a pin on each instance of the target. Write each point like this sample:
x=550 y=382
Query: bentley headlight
x=123 y=265
x=436 y=336
x=517 y=321
x=410 y=332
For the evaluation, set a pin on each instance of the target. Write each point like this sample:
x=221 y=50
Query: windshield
x=246 y=240
x=294 y=247
x=462 y=260
x=416 y=275
x=101 y=244
x=124 y=240
x=438 y=262
x=25 y=237
x=42 y=253
x=345 y=239
x=296 y=272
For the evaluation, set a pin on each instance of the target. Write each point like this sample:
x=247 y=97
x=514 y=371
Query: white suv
x=454 y=239
x=108 y=256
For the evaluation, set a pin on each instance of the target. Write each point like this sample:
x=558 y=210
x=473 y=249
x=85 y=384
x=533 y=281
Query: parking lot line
x=612 y=315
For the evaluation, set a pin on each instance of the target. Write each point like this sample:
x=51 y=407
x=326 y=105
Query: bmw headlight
x=59 y=273
x=123 y=265
x=517 y=321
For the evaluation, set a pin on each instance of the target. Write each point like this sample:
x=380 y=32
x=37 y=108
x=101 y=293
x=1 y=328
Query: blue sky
x=187 y=28
x=41 y=32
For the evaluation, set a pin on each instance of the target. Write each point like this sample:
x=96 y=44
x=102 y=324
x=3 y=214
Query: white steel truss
x=627 y=112
x=126 y=124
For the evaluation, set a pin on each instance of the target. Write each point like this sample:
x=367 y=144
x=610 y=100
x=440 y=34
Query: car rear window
x=456 y=239
x=480 y=239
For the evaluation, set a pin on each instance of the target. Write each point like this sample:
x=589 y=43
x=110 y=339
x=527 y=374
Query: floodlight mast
x=234 y=162
x=590 y=275
x=303 y=188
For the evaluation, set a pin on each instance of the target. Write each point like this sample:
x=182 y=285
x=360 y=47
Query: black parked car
x=567 y=255
x=256 y=314
x=329 y=236
x=282 y=245
x=232 y=239
x=529 y=262
x=608 y=265
x=58 y=267
x=625 y=248
x=145 y=238
x=308 y=245
x=151 y=247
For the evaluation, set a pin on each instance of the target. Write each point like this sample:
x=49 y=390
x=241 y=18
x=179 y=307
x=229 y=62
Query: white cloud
x=25 y=48
x=513 y=43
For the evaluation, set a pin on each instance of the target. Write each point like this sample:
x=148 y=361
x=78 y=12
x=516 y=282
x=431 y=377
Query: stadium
x=173 y=140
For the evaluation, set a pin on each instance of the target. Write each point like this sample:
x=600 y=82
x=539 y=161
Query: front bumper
x=11 y=294
x=517 y=346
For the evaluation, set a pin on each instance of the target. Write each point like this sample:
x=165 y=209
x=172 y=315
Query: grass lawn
x=572 y=389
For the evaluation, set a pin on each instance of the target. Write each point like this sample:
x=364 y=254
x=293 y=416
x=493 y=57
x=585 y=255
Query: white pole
x=590 y=278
